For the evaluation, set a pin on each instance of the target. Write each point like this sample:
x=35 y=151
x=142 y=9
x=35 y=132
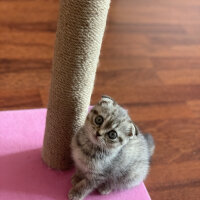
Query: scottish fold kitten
x=109 y=151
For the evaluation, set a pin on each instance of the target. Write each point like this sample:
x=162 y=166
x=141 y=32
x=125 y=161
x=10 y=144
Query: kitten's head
x=109 y=125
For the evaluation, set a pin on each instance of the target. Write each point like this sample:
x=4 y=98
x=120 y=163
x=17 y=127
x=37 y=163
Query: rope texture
x=80 y=30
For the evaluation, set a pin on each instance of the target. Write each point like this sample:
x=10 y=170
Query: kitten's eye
x=99 y=120
x=112 y=134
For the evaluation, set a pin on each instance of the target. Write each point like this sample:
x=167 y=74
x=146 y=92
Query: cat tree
x=80 y=30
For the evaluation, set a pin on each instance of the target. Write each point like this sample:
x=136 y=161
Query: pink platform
x=23 y=175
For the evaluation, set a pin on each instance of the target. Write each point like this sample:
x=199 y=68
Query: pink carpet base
x=23 y=175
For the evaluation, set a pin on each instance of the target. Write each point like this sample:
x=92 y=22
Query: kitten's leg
x=128 y=183
x=81 y=189
x=104 y=188
x=77 y=177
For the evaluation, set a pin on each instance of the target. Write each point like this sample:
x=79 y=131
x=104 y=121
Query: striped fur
x=109 y=164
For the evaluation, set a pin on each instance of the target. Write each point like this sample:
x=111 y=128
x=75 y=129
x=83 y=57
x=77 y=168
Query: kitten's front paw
x=75 y=179
x=104 y=189
x=74 y=195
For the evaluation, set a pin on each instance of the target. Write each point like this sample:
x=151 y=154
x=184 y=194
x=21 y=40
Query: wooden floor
x=150 y=63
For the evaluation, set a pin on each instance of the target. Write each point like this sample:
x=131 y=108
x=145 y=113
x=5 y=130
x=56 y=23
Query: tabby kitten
x=109 y=151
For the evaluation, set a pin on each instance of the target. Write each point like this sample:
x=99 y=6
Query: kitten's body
x=109 y=164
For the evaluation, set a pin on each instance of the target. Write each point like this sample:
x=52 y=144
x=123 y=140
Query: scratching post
x=80 y=30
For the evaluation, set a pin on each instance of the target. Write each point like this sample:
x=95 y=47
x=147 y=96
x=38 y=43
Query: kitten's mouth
x=93 y=138
x=96 y=137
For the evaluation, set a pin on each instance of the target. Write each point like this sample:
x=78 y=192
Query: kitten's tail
x=150 y=143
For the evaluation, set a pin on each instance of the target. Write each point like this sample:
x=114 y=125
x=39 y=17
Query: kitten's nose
x=98 y=134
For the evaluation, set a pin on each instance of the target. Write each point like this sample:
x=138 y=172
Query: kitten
x=109 y=151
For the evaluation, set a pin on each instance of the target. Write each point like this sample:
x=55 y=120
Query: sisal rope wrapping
x=80 y=30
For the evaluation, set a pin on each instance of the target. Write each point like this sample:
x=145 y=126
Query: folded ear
x=133 y=131
x=106 y=99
